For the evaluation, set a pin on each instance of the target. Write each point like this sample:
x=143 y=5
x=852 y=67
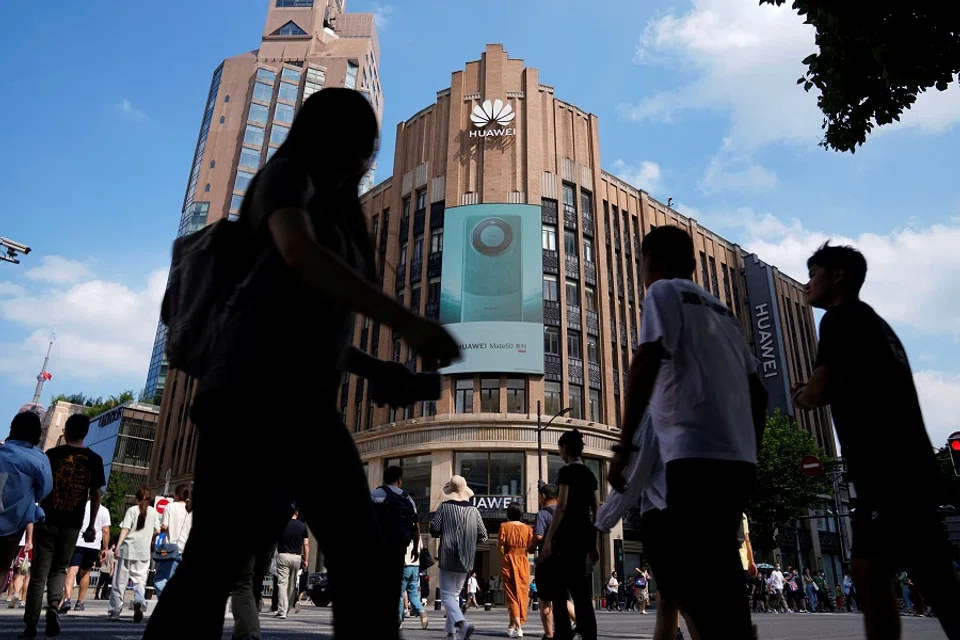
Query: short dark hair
x=392 y=475
x=26 y=428
x=841 y=258
x=182 y=492
x=77 y=427
x=549 y=491
x=572 y=441
x=670 y=250
x=514 y=512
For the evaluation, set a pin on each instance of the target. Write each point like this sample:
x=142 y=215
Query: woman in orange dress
x=515 y=538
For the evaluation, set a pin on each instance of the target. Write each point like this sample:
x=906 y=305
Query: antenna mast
x=43 y=376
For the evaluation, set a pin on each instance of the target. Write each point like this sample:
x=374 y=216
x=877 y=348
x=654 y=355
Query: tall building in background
x=306 y=45
x=499 y=222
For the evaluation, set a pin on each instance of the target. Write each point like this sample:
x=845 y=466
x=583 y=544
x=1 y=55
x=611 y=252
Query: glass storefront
x=492 y=473
x=554 y=463
x=416 y=480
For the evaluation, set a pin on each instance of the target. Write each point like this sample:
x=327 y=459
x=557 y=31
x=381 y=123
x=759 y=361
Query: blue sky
x=697 y=101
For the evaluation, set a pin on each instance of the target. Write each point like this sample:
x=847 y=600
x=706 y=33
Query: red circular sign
x=161 y=504
x=811 y=466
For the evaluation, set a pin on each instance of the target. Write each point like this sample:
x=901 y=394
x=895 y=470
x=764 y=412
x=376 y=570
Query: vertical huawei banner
x=492 y=287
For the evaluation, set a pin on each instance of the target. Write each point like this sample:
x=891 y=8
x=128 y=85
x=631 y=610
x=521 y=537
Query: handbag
x=169 y=551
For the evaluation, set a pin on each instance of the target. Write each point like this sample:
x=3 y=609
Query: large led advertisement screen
x=492 y=287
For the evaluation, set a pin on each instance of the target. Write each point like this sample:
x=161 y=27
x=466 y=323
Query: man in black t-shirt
x=293 y=554
x=77 y=477
x=863 y=373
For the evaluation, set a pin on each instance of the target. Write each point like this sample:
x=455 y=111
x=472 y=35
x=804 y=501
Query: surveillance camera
x=15 y=246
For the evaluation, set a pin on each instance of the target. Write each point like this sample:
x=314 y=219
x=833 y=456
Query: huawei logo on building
x=492 y=112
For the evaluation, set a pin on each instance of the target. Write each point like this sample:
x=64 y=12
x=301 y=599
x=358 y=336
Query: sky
x=697 y=100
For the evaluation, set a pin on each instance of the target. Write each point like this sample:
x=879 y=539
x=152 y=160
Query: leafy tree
x=100 y=405
x=116 y=501
x=875 y=59
x=785 y=492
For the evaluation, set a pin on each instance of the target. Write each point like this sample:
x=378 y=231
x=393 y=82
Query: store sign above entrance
x=496 y=113
x=486 y=504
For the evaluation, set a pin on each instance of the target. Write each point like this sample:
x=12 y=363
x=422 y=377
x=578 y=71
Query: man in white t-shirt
x=695 y=374
x=86 y=555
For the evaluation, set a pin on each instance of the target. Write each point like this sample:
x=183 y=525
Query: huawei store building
x=499 y=222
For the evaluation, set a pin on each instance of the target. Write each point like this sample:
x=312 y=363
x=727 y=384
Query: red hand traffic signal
x=954 y=442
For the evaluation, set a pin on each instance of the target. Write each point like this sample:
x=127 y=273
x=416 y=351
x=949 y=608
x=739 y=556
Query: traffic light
x=953 y=442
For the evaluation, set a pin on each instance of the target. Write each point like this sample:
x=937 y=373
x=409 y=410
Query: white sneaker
x=511 y=633
x=519 y=633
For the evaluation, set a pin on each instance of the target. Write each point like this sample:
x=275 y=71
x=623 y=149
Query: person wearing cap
x=458 y=524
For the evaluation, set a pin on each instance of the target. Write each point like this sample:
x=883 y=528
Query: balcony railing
x=575 y=370
x=419 y=218
x=572 y=264
x=551 y=262
x=590 y=273
x=573 y=317
x=569 y=217
x=416 y=270
x=434 y=264
x=593 y=323
x=548 y=211
x=551 y=313
x=594 y=376
x=587 y=219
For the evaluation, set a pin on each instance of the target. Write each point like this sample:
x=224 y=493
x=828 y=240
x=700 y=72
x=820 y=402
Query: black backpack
x=207 y=268
x=398 y=517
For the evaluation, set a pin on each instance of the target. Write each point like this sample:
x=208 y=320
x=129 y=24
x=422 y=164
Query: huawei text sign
x=495 y=112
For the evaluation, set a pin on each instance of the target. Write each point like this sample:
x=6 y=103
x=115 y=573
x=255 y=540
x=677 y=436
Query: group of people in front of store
x=694 y=413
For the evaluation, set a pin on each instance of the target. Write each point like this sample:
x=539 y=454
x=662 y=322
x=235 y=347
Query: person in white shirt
x=85 y=556
x=696 y=375
x=776 y=586
x=613 y=593
x=134 y=547
x=176 y=523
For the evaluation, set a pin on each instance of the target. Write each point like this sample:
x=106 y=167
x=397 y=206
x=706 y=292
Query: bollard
x=536 y=604
x=436 y=602
x=488 y=602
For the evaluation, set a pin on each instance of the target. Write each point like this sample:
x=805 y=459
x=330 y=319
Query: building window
x=586 y=201
x=226 y=98
x=405 y=210
x=242 y=181
x=213 y=163
x=490 y=395
x=415 y=298
x=288 y=92
x=726 y=283
x=464 y=399
x=418 y=248
x=270 y=152
x=551 y=398
x=249 y=158
x=713 y=277
x=570 y=244
x=351 y=80
x=278 y=134
x=616 y=407
x=436 y=240
x=576 y=401
x=206 y=188
x=294 y=3
x=587 y=250
x=551 y=290
x=590 y=296
x=593 y=351
x=421 y=199
x=283 y=113
x=289 y=29
x=704 y=274
x=253 y=135
x=264 y=75
x=417 y=472
x=429 y=408
x=396 y=350
x=235 y=203
x=263 y=92
x=569 y=202
x=573 y=344
x=573 y=293
x=551 y=341
x=316 y=79
x=402 y=260
x=433 y=291
x=549 y=237
x=223 y=119
x=498 y=473
x=516 y=395
x=258 y=113
x=289 y=75
x=594 y=408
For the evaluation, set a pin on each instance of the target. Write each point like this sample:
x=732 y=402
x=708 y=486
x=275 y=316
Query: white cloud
x=910 y=269
x=746 y=60
x=127 y=109
x=726 y=173
x=940 y=400
x=381 y=14
x=106 y=328
x=58 y=270
x=10 y=289
x=644 y=176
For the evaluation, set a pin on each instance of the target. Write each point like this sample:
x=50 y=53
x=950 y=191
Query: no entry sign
x=160 y=503
x=811 y=466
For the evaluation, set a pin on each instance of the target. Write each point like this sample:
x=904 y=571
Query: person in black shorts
x=863 y=373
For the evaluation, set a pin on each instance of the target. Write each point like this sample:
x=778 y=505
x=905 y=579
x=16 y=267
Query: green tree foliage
x=96 y=406
x=874 y=60
x=785 y=492
x=116 y=501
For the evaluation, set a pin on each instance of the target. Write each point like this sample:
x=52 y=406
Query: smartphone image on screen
x=492 y=269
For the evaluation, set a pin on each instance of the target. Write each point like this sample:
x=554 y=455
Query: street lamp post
x=540 y=431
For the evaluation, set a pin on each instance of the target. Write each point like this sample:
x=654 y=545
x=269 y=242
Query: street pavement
x=315 y=622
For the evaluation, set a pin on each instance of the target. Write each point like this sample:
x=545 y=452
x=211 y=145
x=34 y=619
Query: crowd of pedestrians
x=694 y=413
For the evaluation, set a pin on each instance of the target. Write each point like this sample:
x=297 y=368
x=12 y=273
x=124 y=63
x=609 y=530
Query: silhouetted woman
x=572 y=540
x=270 y=394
